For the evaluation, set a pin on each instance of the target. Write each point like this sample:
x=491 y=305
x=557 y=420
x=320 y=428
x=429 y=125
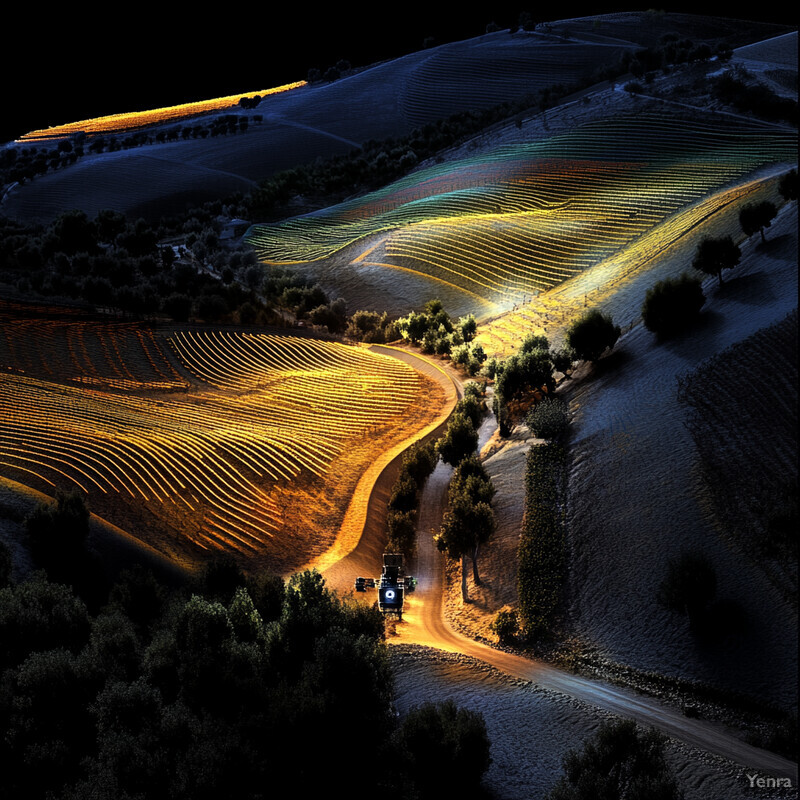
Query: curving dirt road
x=424 y=623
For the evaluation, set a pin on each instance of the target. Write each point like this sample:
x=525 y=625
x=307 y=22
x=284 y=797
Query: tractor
x=392 y=585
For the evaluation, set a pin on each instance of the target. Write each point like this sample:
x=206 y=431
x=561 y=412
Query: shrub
x=619 y=762
x=404 y=494
x=459 y=441
x=592 y=334
x=371 y=327
x=506 y=625
x=402 y=533
x=548 y=419
x=445 y=748
x=671 y=305
x=472 y=408
x=419 y=461
x=562 y=359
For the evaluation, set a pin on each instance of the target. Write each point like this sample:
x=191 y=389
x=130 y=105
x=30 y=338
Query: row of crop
x=304 y=373
x=151 y=452
x=119 y=355
x=456 y=81
x=542 y=549
x=651 y=139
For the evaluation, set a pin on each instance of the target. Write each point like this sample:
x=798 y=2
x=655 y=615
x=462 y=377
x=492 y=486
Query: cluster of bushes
x=113 y=263
x=417 y=464
x=372 y=327
x=187 y=691
x=458 y=443
x=117 y=264
x=436 y=333
x=20 y=164
x=295 y=292
x=524 y=378
x=330 y=74
x=461 y=436
x=740 y=91
x=542 y=545
x=527 y=376
x=468 y=520
x=23 y=163
x=670 y=51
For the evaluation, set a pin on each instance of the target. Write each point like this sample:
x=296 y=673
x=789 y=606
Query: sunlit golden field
x=200 y=442
x=132 y=120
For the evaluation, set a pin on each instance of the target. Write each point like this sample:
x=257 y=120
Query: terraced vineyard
x=133 y=120
x=516 y=221
x=117 y=356
x=256 y=454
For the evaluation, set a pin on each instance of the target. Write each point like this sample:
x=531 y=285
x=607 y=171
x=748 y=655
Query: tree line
x=224 y=684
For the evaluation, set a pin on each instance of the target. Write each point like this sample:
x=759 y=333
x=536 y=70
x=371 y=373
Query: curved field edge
x=519 y=219
x=362 y=516
x=287 y=492
x=134 y=120
x=505 y=459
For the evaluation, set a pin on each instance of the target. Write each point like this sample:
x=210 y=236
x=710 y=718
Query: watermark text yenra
x=759 y=782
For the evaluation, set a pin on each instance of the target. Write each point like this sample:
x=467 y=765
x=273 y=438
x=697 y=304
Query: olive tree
x=715 y=255
x=592 y=334
x=757 y=216
x=671 y=305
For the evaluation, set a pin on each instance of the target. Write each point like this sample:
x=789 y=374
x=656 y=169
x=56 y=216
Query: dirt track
x=704 y=744
x=423 y=623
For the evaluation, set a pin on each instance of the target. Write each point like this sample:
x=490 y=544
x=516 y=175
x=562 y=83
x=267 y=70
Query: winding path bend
x=424 y=623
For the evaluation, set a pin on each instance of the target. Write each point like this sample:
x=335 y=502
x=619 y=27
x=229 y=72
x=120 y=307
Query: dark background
x=74 y=63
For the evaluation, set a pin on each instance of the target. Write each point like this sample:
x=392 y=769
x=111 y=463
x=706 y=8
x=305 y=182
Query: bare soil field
x=742 y=411
x=636 y=498
x=532 y=729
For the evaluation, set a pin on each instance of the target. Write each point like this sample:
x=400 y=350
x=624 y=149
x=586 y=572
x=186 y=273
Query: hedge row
x=542 y=546
x=418 y=463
